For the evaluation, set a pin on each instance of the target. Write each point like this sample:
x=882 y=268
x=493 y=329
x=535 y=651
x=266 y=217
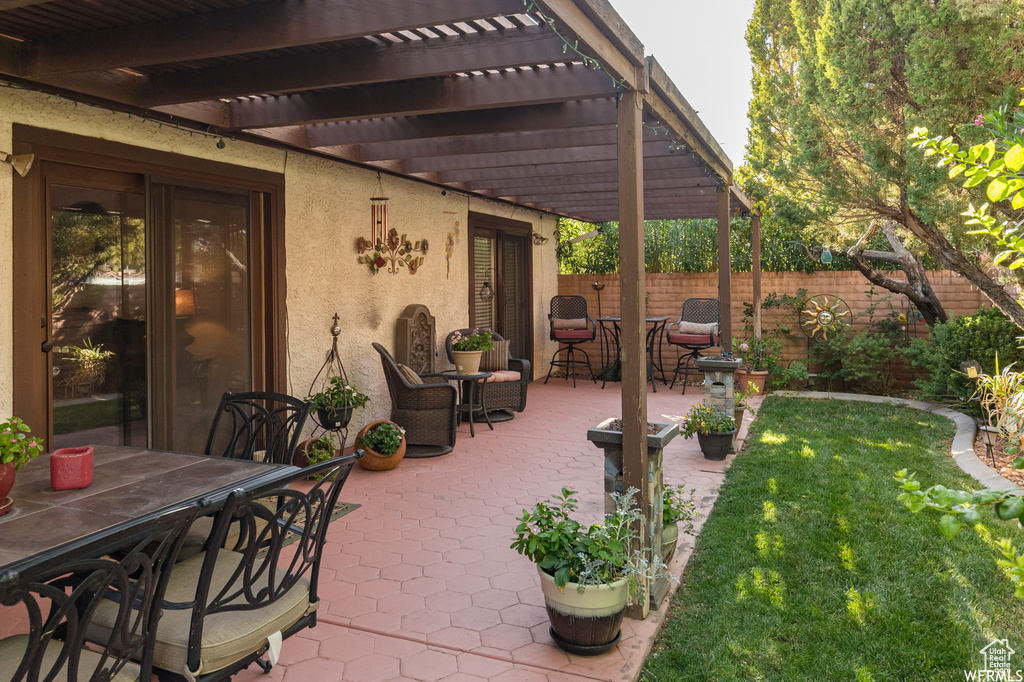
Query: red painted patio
x=420 y=584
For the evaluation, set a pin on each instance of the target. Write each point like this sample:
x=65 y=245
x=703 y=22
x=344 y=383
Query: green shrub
x=968 y=337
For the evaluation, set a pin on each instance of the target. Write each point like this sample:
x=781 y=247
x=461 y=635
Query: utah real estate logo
x=997 y=666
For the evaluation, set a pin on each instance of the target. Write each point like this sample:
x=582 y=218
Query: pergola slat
x=256 y=28
x=563 y=170
x=520 y=158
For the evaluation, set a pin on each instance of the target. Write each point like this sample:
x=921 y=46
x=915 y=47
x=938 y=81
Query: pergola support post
x=724 y=271
x=633 y=289
x=755 y=239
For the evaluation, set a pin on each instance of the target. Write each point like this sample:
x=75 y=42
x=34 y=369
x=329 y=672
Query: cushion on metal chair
x=12 y=648
x=574 y=334
x=683 y=327
x=410 y=374
x=692 y=339
x=503 y=376
x=574 y=323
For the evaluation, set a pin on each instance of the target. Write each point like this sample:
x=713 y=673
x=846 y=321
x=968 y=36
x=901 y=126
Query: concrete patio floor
x=420 y=583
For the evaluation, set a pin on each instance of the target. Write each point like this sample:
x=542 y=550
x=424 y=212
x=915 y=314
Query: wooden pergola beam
x=683 y=177
x=608 y=196
x=563 y=170
x=441 y=56
x=596 y=112
x=724 y=272
x=253 y=28
x=526 y=157
x=490 y=143
x=429 y=96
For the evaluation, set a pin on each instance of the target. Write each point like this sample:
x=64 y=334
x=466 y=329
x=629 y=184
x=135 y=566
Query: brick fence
x=668 y=291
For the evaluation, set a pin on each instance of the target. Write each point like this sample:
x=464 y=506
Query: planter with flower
x=315 y=451
x=588 y=573
x=714 y=430
x=335 y=404
x=760 y=357
x=16 y=449
x=383 y=444
x=741 y=405
x=468 y=348
x=677 y=507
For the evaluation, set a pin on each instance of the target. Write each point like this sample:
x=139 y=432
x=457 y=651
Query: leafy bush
x=384 y=439
x=968 y=337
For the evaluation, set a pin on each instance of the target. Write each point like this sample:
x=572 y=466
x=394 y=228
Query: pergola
x=548 y=104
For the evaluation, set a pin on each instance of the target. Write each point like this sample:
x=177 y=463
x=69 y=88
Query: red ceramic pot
x=6 y=480
x=71 y=468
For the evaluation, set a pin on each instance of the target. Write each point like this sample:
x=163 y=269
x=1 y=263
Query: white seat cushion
x=13 y=648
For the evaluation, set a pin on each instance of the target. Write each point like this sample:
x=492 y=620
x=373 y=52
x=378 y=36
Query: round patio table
x=471 y=395
x=611 y=325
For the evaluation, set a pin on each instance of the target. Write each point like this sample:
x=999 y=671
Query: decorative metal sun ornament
x=824 y=316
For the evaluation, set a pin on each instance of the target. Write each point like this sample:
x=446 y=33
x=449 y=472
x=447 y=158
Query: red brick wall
x=668 y=291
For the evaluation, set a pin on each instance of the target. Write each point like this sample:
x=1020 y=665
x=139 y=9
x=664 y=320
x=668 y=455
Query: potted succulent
x=16 y=449
x=714 y=430
x=677 y=507
x=334 y=405
x=760 y=357
x=588 y=573
x=383 y=443
x=468 y=348
x=741 y=404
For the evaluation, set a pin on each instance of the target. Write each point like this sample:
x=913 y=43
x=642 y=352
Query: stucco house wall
x=327 y=208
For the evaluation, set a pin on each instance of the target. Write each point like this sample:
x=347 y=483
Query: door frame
x=31 y=291
x=497 y=226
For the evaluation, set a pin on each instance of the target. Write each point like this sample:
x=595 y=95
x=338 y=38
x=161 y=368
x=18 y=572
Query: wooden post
x=631 y=301
x=755 y=239
x=724 y=271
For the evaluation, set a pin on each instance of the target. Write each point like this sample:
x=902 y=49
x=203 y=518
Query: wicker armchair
x=426 y=411
x=506 y=390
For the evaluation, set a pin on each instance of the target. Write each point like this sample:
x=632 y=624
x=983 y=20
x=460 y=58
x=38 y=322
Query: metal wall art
x=395 y=252
x=451 y=239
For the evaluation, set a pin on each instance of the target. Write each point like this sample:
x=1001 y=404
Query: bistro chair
x=695 y=331
x=426 y=410
x=255 y=583
x=570 y=325
x=263 y=426
x=509 y=376
x=63 y=595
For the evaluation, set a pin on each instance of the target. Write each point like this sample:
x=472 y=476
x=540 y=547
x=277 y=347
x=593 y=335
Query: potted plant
x=334 y=405
x=741 y=404
x=588 y=573
x=315 y=451
x=714 y=430
x=760 y=357
x=16 y=449
x=677 y=507
x=468 y=348
x=383 y=443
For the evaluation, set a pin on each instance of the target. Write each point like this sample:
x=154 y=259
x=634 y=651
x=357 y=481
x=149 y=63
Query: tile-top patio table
x=128 y=483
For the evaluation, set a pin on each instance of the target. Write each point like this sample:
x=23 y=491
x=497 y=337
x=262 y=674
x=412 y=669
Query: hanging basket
x=333 y=420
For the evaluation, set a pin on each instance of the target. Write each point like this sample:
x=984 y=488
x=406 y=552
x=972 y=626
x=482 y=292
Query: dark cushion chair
x=261 y=425
x=506 y=389
x=426 y=411
x=694 y=331
x=570 y=324
x=62 y=597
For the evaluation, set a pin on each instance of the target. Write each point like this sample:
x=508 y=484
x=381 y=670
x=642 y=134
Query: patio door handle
x=46 y=347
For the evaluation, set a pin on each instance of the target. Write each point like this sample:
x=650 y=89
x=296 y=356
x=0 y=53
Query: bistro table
x=611 y=325
x=128 y=483
x=471 y=395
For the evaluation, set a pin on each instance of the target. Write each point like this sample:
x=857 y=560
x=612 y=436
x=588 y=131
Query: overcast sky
x=701 y=45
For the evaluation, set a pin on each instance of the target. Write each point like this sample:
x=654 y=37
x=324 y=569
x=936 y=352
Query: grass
x=809 y=568
x=87 y=415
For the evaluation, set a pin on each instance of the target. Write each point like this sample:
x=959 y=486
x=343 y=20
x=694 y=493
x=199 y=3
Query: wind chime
x=378 y=216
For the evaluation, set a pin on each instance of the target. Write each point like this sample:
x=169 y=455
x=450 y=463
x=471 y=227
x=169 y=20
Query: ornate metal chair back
x=264 y=426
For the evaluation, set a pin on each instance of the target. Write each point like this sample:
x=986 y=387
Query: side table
x=471 y=395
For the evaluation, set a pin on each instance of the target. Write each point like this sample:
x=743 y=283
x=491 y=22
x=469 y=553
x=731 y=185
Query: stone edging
x=963 y=442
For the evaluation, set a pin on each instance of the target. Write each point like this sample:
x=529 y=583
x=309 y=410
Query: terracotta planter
x=6 y=483
x=467 y=361
x=333 y=420
x=669 y=540
x=757 y=377
x=71 y=468
x=374 y=461
x=715 y=446
x=588 y=623
x=300 y=459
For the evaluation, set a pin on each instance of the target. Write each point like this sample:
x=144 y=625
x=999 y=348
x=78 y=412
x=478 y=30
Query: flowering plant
x=384 y=439
x=705 y=419
x=586 y=555
x=338 y=395
x=479 y=339
x=743 y=396
x=678 y=506
x=15 y=445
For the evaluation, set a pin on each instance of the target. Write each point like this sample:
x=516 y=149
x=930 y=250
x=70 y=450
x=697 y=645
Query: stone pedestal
x=611 y=443
x=720 y=384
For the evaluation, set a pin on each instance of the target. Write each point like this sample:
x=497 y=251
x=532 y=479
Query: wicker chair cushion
x=499 y=377
x=691 y=339
x=574 y=334
x=13 y=648
x=683 y=327
x=410 y=374
x=575 y=323
x=496 y=359
x=227 y=636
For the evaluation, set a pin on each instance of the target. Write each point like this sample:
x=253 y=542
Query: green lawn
x=810 y=569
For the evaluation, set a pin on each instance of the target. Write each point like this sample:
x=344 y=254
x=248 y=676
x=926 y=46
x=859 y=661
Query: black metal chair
x=698 y=314
x=63 y=596
x=506 y=389
x=570 y=324
x=265 y=426
x=255 y=582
